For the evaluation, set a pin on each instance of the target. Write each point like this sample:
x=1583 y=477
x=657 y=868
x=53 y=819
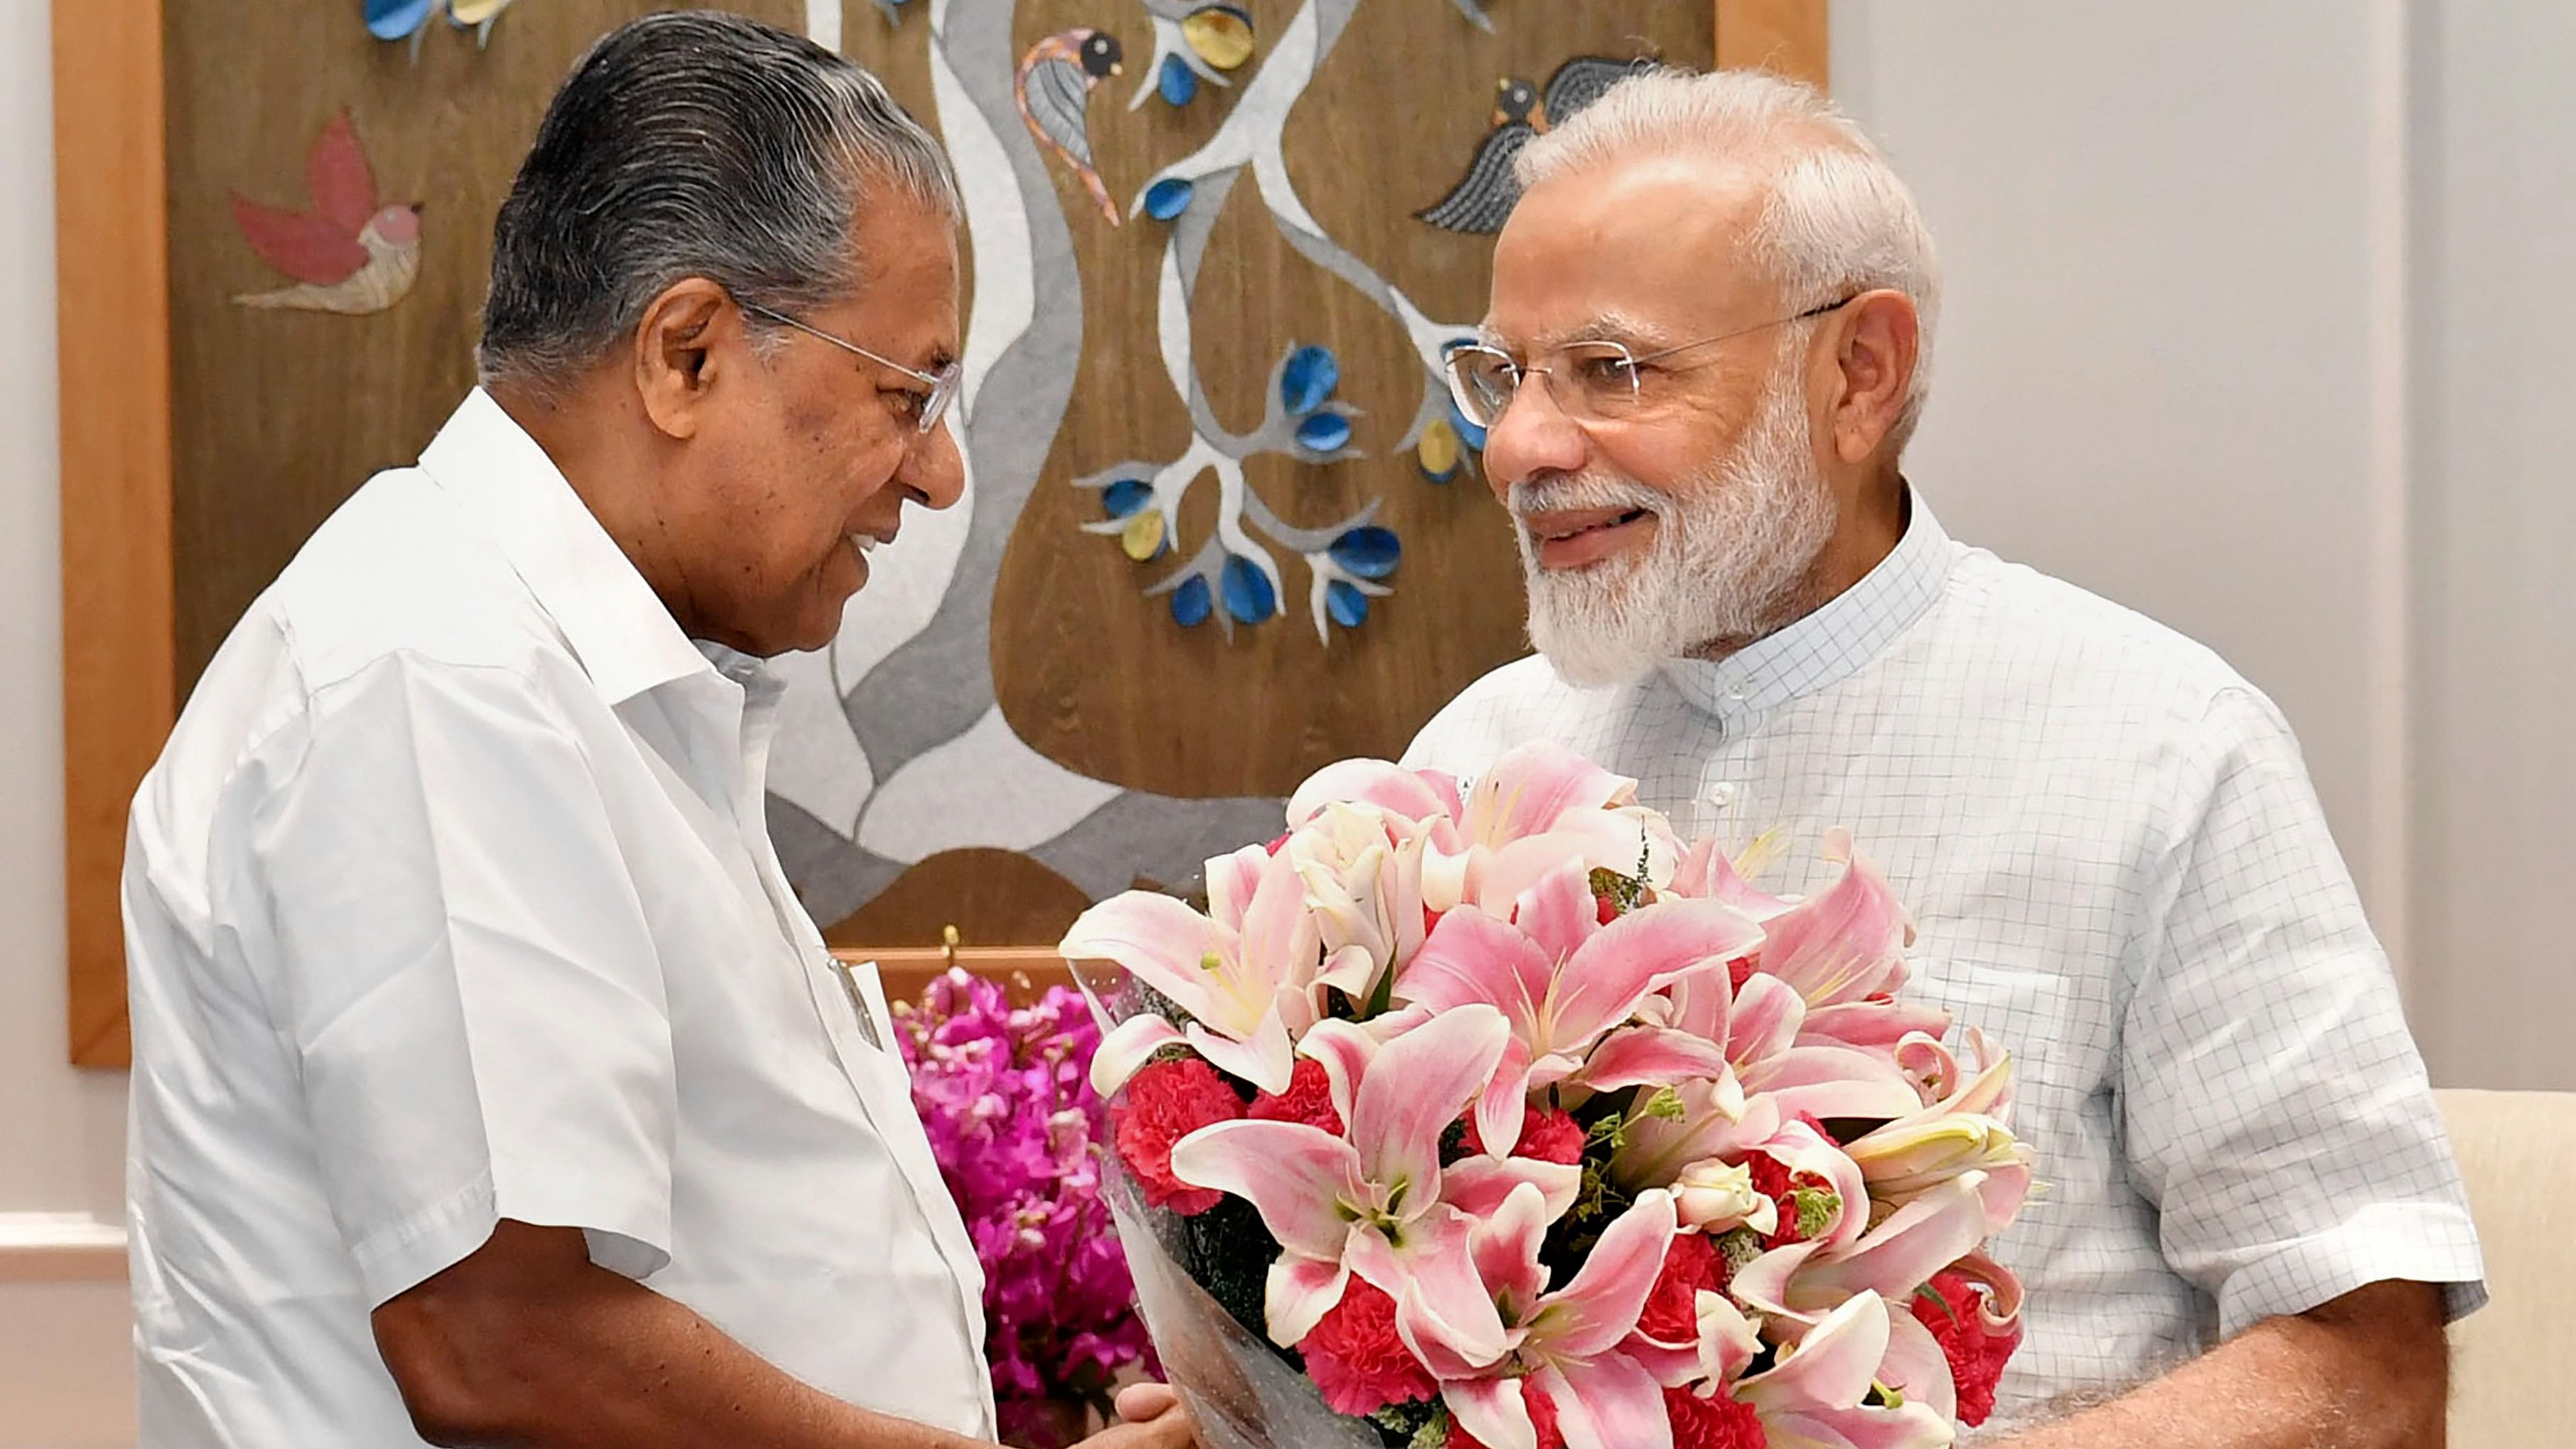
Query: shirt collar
x=1831 y=643
x=626 y=640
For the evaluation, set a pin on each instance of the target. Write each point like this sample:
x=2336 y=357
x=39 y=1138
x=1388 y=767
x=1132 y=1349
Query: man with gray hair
x=1708 y=341
x=491 y=1086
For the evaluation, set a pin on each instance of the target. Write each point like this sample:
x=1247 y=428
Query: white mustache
x=1581 y=492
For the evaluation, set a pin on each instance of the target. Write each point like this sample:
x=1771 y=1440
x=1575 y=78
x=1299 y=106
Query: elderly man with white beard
x=1708 y=339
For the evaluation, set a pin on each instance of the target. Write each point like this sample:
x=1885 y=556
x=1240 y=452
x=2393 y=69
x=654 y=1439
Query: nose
x=1533 y=436
x=934 y=471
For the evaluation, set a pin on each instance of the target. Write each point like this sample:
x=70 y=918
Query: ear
x=691 y=339
x=1874 y=340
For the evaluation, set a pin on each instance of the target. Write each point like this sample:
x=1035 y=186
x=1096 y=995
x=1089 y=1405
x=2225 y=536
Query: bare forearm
x=2366 y=1372
x=592 y=1360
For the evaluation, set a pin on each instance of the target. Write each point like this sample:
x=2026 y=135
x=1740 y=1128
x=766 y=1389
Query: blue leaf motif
x=1348 y=606
x=1179 y=84
x=1309 y=379
x=1324 y=433
x=1370 y=552
x=1248 y=595
x=1126 y=496
x=1168 y=198
x=1190 y=604
x=394 y=19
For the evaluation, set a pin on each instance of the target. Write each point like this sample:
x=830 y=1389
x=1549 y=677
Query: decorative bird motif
x=1483 y=198
x=1054 y=86
x=347 y=254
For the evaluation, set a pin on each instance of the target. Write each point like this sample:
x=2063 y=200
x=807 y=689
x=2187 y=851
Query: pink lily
x=1812 y=1398
x=1245 y=972
x=1568 y=1343
x=1536 y=806
x=1361 y=866
x=1704 y=873
x=1421 y=796
x=1370 y=1203
x=1799 y=1283
x=1961 y=1131
x=1564 y=981
x=1845 y=944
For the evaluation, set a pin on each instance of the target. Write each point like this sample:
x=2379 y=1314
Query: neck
x=1872 y=521
x=606 y=455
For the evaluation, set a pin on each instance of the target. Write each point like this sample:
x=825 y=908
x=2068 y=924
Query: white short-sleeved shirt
x=2118 y=869
x=451 y=899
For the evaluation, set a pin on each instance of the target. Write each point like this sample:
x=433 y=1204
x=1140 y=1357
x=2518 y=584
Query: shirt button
x=1721 y=794
x=1737 y=691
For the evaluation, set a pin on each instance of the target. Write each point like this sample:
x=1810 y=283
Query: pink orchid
x=1568 y=1344
x=1565 y=981
x=1813 y=1396
x=1245 y=972
x=1370 y=1203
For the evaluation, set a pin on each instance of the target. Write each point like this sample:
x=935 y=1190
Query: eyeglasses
x=1594 y=381
x=926 y=408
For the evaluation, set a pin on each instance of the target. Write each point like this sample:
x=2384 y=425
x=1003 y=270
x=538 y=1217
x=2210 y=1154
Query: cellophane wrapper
x=1244 y=1394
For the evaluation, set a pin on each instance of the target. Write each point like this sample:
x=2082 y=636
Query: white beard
x=1732 y=546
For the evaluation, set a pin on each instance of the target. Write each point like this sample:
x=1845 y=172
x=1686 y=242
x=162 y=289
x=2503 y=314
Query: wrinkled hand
x=1151 y=1417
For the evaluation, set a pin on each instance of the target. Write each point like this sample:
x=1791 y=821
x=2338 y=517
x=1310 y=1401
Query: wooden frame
x=112 y=258
x=112 y=274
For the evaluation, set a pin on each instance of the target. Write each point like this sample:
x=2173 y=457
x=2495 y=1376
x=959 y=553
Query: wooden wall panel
x=1097 y=676
x=1788 y=36
x=202 y=441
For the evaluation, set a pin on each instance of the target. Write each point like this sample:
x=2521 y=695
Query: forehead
x=907 y=261
x=1640 y=252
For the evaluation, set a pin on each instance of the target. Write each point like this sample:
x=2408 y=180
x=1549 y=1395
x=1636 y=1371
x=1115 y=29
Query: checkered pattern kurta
x=2119 y=870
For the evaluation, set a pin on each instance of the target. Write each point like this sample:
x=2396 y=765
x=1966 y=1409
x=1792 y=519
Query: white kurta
x=2119 y=870
x=451 y=899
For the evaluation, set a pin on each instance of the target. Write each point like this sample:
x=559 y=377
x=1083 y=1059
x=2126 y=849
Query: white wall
x=2496 y=517
x=2254 y=323
x=64 y=1374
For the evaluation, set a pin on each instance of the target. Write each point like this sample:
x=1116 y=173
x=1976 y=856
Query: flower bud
x=1715 y=1196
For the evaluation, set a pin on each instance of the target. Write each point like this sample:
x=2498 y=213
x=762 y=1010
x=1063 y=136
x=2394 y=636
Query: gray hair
x=692 y=144
x=1836 y=219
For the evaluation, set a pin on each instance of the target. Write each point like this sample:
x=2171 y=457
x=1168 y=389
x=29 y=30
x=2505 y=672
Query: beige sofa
x=2513 y=1382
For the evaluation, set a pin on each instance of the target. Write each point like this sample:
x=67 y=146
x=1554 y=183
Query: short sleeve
x=464 y=974
x=2277 y=1112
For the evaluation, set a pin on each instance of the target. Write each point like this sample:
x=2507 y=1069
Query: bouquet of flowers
x=1005 y=1093
x=1501 y=1119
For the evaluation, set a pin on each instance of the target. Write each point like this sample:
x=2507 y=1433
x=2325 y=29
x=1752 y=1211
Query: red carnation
x=1309 y=1099
x=1608 y=909
x=1976 y=1353
x=1720 y=1421
x=1771 y=1178
x=1740 y=970
x=1691 y=1264
x=1166 y=1102
x=1545 y=1137
x=1542 y=1412
x=1355 y=1357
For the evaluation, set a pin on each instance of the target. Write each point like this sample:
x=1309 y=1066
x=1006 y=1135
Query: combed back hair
x=1835 y=217
x=692 y=144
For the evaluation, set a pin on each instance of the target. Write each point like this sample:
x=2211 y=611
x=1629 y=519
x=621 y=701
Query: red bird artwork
x=346 y=253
